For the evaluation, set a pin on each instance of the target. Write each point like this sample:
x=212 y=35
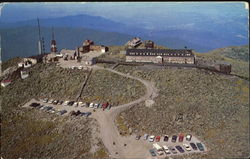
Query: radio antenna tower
x=39 y=39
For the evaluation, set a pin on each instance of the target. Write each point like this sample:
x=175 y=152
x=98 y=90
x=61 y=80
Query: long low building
x=160 y=56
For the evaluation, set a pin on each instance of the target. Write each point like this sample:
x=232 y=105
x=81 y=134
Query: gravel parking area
x=129 y=143
x=68 y=108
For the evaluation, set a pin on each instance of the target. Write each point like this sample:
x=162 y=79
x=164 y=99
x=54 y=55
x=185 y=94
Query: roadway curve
x=108 y=130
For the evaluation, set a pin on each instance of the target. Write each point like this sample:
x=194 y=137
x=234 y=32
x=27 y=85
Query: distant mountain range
x=23 y=41
x=107 y=32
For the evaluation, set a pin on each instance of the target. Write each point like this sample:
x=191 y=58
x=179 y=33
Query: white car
x=91 y=105
x=80 y=67
x=51 y=101
x=96 y=105
x=66 y=103
x=151 y=138
x=188 y=137
x=165 y=148
x=80 y=104
x=187 y=147
x=145 y=136
x=75 y=104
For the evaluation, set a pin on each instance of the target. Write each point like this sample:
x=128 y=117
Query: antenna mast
x=39 y=38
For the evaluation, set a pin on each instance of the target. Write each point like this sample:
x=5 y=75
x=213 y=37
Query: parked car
x=52 y=110
x=152 y=152
x=180 y=149
x=43 y=107
x=138 y=137
x=193 y=146
x=86 y=114
x=145 y=136
x=187 y=147
x=200 y=146
x=34 y=105
x=62 y=112
x=181 y=137
x=99 y=105
x=60 y=102
x=75 y=104
x=96 y=105
x=45 y=100
x=188 y=137
x=165 y=138
x=166 y=150
x=72 y=113
x=174 y=137
x=55 y=102
x=172 y=149
x=109 y=107
x=78 y=112
x=91 y=105
x=48 y=108
x=157 y=138
x=87 y=104
x=151 y=138
x=51 y=101
x=80 y=104
x=39 y=107
x=80 y=67
x=70 y=103
x=105 y=105
x=66 y=103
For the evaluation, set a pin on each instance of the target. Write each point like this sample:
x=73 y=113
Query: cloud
x=241 y=36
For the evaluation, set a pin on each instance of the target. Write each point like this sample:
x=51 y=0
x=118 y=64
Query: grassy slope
x=106 y=86
x=36 y=134
x=210 y=105
x=237 y=56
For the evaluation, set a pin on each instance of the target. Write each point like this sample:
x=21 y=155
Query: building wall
x=98 y=48
x=166 y=59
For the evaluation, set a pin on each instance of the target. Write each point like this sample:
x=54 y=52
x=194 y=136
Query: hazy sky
x=116 y=10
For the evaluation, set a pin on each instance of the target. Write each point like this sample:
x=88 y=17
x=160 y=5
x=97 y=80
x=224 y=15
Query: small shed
x=223 y=67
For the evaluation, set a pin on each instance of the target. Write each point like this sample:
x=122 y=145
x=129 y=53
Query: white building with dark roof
x=182 y=56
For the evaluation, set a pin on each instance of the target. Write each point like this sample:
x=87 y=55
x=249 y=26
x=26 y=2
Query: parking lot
x=162 y=147
x=68 y=107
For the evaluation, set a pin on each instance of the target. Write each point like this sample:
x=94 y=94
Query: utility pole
x=0 y=55
x=39 y=39
x=43 y=46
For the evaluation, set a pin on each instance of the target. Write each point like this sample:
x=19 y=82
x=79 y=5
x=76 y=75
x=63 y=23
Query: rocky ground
x=211 y=106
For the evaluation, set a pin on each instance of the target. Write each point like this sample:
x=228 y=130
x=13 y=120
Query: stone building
x=98 y=48
x=149 y=44
x=180 y=56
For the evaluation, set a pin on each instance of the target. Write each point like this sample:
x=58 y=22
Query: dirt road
x=109 y=132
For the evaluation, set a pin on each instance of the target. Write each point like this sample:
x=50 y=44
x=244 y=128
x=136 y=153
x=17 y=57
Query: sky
x=117 y=11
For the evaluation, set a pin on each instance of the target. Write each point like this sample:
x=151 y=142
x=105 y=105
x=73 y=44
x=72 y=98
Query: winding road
x=109 y=132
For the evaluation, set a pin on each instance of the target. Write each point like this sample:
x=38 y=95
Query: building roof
x=66 y=51
x=159 y=52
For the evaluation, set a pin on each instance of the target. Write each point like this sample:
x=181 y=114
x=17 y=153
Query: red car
x=105 y=105
x=158 y=138
x=181 y=137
